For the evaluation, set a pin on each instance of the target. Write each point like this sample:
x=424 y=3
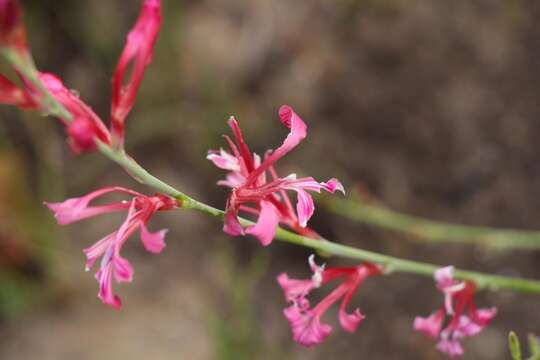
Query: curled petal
x=298 y=133
x=12 y=32
x=304 y=207
x=266 y=226
x=333 y=185
x=10 y=94
x=431 y=325
x=306 y=327
x=349 y=322
x=153 y=242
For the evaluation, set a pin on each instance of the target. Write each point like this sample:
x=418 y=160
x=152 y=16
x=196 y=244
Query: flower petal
x=266 y=226
x=450 y=347
x=106 y=294
x=295 y=291
x=231 y=225
x=431 y=325
x=153 y=242
x=304 y=207
x=123 y=270
x=333 y=185
x=306 y=327
x=350 y=322
x=298 y=133
x=138 y=50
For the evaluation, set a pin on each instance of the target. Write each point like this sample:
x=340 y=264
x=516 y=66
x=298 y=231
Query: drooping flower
x=464 y=318
x=137 y=53
x=304 y=320
x=139 y=211
x=85 y=125
x=257 y=189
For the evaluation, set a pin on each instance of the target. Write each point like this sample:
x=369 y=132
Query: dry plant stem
x=433 y=231
x=392 y=264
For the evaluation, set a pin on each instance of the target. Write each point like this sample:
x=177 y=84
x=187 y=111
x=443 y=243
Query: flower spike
x=305 y=321
x=113 y=266
x=138 y=53
x=464 y=318
x=258 y=190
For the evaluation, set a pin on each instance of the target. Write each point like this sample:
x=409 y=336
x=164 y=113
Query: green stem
x=392 y=264
x=433 y=231
x=24 y=64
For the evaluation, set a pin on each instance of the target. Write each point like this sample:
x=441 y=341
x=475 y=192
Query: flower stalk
x=425 y=230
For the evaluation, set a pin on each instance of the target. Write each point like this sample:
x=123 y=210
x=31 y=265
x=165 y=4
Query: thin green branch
x=422 y=229
x=392 y=264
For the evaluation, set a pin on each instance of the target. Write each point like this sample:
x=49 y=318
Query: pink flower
x=140 y=209
x=255 y=181
x=137 y=53
x=464 y=318
x=85 y=125
x=305 y=321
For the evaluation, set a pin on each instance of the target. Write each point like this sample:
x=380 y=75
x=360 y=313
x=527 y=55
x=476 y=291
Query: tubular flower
x=139 y=211
x=267 y=195
x=138 y=52
x=305 y=321
x=85 y=125
x=464 y=318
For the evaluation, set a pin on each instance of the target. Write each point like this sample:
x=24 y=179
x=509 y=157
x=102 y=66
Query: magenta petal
x=123 y=271
x=298 y=133
x=231 y=224
x=224 y=160
x=306 y=327
x=444 y=276
x=485 y=315
x=349 y=322
x=450 y=347
x=295 y=290
x=266 y=226
x=104 y=277
x=304 y=207
x=430 y=326
x=98 y=249
x=153 y=242
x=333 y=185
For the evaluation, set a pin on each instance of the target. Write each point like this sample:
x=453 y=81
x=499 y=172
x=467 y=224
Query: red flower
x=137 y=53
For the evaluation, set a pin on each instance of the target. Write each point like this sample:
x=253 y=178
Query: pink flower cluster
x=304 y=320
x=464 y=318
x=139 y=211
x=257 y=189
x=84 y=126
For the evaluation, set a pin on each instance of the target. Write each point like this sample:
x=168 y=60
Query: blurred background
x=429 y=105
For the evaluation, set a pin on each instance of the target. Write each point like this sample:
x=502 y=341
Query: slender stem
x=433 y=231
x=24 y=64
x=392 y=264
